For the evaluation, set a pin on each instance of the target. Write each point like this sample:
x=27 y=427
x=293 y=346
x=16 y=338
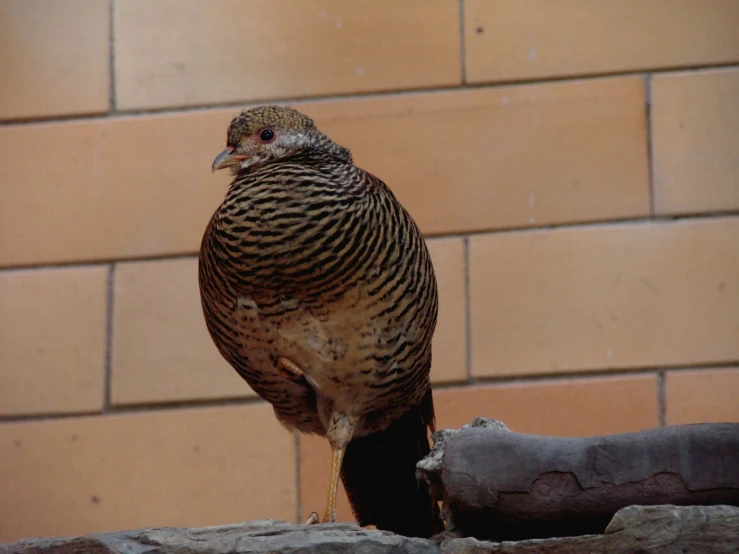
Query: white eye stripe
x=293 y=138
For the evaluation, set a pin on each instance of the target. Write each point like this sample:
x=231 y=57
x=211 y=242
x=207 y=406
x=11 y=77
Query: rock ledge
x=658 y=529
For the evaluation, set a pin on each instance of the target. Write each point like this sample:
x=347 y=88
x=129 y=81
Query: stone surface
x=645 y=529
x=513 y=486
x=251 y=537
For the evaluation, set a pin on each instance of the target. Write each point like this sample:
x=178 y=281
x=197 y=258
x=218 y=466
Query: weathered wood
x=509 y=486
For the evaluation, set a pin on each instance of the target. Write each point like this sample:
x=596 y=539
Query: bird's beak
x=227 y=158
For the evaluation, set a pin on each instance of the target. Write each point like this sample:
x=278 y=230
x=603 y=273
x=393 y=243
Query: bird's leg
x=290 y=368
x=337 y=455
x=340 y=432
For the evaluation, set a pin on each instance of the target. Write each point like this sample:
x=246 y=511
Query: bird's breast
x=321 y=245
x=333 y=343
x=338 y=283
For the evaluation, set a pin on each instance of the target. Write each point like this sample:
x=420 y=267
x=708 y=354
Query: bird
x=317 y=287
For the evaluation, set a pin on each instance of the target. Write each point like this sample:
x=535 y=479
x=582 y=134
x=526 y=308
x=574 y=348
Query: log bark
x=503 y=485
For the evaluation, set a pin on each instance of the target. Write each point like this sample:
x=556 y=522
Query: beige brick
x=566 y=407
x=52 y=343
x=54 y=57
x=619 y=296
x=108 y=189
x=506 y=157
x=161 y=348
x=189 y=468
x=179 y=53
x=702 y=396
x=449 y=348
x=534 y=39
x=695 y=141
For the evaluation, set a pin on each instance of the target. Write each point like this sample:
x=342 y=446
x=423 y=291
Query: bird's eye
x=267 y=135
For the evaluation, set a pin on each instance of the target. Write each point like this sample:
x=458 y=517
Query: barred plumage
x=311 y=265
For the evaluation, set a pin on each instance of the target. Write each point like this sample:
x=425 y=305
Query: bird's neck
x=318 y=154
x=289 y=224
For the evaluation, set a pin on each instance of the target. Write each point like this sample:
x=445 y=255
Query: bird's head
x=271 y=132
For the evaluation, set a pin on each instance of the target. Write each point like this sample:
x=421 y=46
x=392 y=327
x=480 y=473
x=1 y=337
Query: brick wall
x=574 y=165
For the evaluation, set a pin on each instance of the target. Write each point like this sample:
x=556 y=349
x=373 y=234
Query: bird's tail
x=379 y=475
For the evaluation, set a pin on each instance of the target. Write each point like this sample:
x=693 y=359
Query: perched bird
x=318 y=288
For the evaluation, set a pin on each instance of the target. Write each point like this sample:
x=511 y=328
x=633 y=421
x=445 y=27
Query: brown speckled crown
x=251 y=121
x=282 y=119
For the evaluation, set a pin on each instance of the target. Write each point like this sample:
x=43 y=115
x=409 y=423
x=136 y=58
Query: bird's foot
x=314 y=518
x=289 y=368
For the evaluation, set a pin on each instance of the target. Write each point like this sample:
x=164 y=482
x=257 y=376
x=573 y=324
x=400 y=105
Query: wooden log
x=503 y=485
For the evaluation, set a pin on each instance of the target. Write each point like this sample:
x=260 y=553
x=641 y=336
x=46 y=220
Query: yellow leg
x=337 y=455
x=339 y=433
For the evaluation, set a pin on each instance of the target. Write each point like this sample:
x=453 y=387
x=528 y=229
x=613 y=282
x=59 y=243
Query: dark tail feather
x=379 y=475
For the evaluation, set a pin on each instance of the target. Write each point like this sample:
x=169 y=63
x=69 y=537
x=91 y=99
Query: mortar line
x=467 y=308
x=492 y=231
x=534 y=378
x=149 y=407
x=650 y=145
x=111 y=57
x=347 y=96
x=585 y=375
x=462 y=53
x=661 y=400
x=107 y=382
x=298 y=499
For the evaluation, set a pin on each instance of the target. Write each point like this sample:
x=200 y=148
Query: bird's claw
x=289 y=368
x=314 y=518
